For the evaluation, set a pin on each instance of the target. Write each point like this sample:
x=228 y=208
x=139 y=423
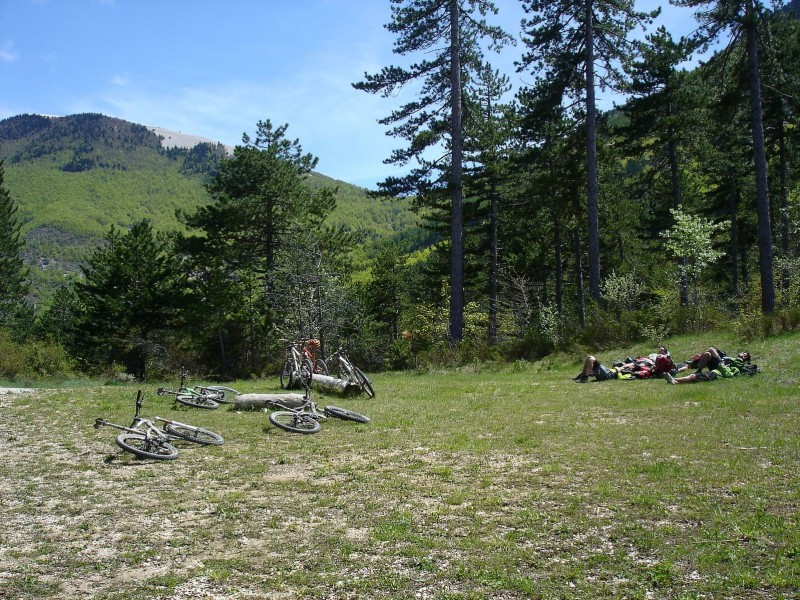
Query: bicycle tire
x=320 y=367
x=197 y=401
x=198 y=435
x=294 y=422
x=345 y=414
x=225 y=393
x=287 y=375
x=145 y=447
x=364 y=383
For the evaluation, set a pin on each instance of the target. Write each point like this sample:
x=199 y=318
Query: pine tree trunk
x=734 y=205
x=591 y=164
x=765 y=262
x=580 y=299
x=784 y=178
x=456 y=216
x=675 y=179
x=493 y=266
x=559 y=271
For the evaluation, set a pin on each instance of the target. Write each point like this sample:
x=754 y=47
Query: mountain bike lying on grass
x=144 y=439
x=199 y=396
x=306 y=418
x=339 y=365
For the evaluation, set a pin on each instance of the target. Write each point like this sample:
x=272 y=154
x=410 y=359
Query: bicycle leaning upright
x=340 y=365
x=144 y=439
x=298 y=366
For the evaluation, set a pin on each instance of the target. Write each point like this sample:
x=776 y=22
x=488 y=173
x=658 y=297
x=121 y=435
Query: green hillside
x=75 y=177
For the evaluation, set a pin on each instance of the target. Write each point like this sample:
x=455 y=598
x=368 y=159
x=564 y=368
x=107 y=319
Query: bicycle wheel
x=364 y=383
x=320 y=367
x=199 y=401
x=287 y=375
x=198 y=435
x=226 y=394
x=145 y=447
x=294 y=422
x=347 y=415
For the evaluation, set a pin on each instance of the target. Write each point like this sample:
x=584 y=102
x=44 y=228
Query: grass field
x=509 y=482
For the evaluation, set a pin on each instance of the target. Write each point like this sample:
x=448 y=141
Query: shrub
x=32 y=358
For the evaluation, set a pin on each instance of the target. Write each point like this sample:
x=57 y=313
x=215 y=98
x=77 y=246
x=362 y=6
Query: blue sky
x=214 y=68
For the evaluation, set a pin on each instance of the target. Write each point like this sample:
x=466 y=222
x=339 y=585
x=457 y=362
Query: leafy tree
x=449 y=30
x=14 y=310
x=130 y=295
x=692 y=238
x=566 y=41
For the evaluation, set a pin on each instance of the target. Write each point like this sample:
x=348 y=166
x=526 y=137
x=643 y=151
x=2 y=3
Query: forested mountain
x=75 y=177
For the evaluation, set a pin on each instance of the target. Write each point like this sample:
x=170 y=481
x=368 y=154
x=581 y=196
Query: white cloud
x=119 y=80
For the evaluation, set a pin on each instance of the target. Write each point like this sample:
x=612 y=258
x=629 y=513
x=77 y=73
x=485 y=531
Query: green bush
x=32 y=359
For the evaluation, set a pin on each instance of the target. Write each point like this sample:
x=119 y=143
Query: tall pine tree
x=449 y=31
x=131 y=294
x=15 y=313
x=578 y=46
x=744 y=18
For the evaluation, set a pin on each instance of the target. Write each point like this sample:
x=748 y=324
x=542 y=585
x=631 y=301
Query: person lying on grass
x=644 y=367
x=724 y=371
x=712 y=358
x=693 y=378
x=593 y=368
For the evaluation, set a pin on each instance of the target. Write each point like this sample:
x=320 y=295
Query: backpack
x=749 y=370
x=664 y=364
x=733 y=362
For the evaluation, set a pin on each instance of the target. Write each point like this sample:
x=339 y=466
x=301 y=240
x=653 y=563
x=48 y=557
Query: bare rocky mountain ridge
x=177 y=139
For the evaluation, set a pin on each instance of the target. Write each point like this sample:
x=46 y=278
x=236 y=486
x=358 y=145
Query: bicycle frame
x=345 y=367
x=139 y=425
x=157 y=439
x=296 y=366
x=198 y=396
x=349 y=372
x=142 y=438
x=301 y=419
x=306 y=417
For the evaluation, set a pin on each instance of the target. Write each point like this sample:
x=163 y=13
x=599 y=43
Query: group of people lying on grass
x=659 y=364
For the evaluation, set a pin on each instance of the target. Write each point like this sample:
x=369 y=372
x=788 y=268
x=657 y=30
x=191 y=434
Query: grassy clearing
x=483 y=483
